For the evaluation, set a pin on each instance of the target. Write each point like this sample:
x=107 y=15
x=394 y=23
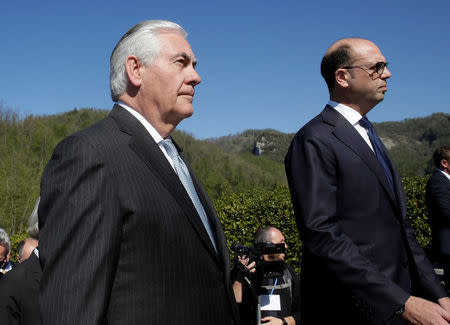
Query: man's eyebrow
x=187 y=57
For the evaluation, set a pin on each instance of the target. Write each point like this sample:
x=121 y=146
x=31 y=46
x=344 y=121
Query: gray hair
x=33 y=221
x=143 y=41
x=4 y=240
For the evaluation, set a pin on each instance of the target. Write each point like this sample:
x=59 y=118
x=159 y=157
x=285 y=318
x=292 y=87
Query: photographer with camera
x=266 y=289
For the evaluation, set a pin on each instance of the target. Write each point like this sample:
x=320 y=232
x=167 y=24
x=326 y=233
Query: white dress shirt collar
x=353 y=118
x=446 y=175
x=349 y=113
x=155 y=135
x=151 y=130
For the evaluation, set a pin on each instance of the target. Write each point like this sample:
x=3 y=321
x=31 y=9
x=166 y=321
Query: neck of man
x=445 y=170
x=164 y=129
x=346 y=99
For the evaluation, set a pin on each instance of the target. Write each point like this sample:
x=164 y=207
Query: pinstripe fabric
x=120 y=241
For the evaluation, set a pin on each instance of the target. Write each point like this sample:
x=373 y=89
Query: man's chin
x=184 y=112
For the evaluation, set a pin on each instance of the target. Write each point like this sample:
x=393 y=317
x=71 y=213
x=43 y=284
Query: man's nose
x=193 y=77
x=386 y=73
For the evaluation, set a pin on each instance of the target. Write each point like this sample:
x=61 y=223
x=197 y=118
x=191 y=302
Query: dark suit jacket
x=359 y=248
x=19 y=290
x=121 y=241
x=438 y=203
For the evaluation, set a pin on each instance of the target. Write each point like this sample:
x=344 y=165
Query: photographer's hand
x=277 y=321
x=237 y=285
x=244 y=261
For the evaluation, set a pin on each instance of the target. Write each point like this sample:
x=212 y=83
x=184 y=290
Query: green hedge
x=417 y=212
x=15 y=240
x=242 y=214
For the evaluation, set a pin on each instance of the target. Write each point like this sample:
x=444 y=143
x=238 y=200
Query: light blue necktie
x=186 y=180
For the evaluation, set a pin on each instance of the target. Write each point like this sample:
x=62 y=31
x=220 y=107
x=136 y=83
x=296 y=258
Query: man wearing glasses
x=361 y=262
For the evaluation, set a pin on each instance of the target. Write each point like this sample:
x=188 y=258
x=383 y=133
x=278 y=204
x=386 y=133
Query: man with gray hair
x=128 y=234
x=26 y=248
x=5 y=253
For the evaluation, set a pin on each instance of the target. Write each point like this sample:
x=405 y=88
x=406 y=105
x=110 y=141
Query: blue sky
x=259 y=60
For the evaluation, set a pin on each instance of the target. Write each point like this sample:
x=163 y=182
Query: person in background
x=438 y=203
x=5 y=253
x=278 y=301
x=25 y=248
x=19 y=289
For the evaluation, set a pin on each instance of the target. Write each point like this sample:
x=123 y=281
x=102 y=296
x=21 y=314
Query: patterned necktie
x=378 y=148
x=186 y=180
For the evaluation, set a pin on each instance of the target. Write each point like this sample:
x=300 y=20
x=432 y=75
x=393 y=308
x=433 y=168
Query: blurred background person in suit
x=19 y=289
x=438 y=203
x=25 y=248
x=5 y=253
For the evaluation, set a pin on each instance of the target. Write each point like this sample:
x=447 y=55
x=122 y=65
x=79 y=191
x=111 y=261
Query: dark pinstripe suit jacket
x=120 y=240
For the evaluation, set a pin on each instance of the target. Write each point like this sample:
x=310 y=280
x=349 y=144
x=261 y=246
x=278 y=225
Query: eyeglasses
x=379 y=67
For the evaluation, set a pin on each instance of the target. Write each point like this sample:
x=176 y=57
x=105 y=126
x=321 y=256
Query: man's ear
x=342 y=76
x=444 y=163
x=134 y=70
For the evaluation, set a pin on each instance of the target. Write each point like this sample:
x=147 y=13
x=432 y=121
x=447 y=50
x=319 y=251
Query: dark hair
x=441 y=153
x=20 y=249
x=332 y=61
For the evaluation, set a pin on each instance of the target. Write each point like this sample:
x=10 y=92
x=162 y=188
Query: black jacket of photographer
x=289 y=297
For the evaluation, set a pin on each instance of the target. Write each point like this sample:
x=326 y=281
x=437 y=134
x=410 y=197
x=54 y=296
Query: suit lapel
x=346 y=133
x=148 y=150
x=398 y=186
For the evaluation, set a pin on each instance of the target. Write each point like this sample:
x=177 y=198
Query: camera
x=260 y=249
x=264 y=269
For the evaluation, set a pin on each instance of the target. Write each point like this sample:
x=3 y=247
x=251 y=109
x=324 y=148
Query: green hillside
x=413 y=141
x=410 y=142
x=26 y=146
x=224 y=165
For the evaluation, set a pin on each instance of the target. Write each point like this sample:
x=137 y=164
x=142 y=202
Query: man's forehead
x=276 y=234
x=368 y=59
x=367 y=51
x=176 y=44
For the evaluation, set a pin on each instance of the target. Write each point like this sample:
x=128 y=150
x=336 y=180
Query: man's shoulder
x=321 y=125
x=13 y=278
x=438 y=178
x=291 y=270
x=99 y=128
x=315 y=127
x=99 y=134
